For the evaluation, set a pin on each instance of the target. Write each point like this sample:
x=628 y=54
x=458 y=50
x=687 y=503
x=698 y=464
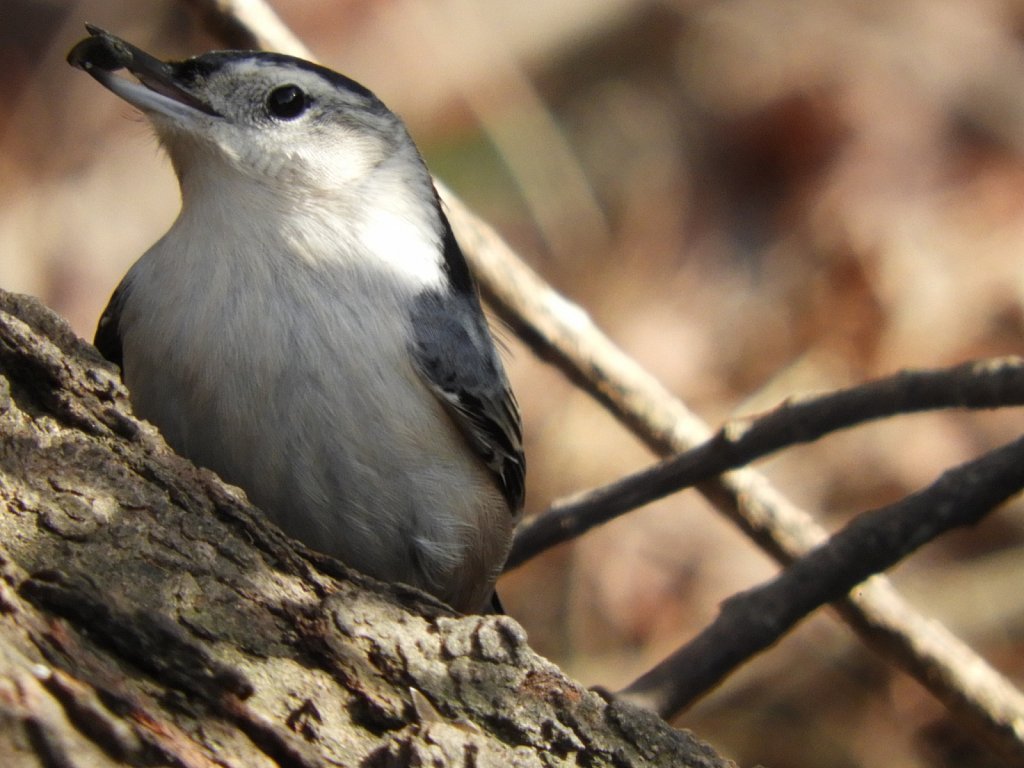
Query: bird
x=308 y=327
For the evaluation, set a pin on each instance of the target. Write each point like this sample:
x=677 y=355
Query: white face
x=280 y=121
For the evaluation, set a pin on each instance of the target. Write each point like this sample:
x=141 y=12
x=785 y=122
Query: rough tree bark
x=150 y=616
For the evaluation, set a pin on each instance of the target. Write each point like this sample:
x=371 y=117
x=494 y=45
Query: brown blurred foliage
x=756 y=198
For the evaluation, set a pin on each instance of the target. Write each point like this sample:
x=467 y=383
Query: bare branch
x=561 y=332
x=248 y=25
x=150 y=615
x=752 y=621
x=980 y=384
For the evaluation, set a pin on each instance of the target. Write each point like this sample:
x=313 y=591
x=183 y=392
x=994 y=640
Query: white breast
x=277 y=356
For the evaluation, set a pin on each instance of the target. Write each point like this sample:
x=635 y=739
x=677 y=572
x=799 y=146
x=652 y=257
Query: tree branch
x=752 y=621
x=149 y=615
x=980 y=384
x=248 y=25
x=562 y=333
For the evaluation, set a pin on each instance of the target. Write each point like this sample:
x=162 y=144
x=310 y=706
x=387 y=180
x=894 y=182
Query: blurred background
x=754 y=198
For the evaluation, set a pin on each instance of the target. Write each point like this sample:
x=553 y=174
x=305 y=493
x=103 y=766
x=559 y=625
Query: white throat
x=388 y=228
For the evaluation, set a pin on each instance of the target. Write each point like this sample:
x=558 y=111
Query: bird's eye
x=287 y=102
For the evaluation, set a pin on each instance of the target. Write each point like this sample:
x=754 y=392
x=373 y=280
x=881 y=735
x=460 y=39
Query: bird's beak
x=160 y=91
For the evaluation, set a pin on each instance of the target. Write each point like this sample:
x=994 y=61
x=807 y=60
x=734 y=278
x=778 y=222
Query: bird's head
x=276 y=120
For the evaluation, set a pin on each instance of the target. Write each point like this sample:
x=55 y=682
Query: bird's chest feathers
x=289 y=294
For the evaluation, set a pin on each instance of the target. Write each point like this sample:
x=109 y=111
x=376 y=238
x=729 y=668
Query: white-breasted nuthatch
x=308 y=327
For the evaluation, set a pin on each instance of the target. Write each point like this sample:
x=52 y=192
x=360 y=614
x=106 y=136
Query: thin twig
x=981 y=384
x=248 y=25
x=752 y=621
x=552 y=183
x=561 y=332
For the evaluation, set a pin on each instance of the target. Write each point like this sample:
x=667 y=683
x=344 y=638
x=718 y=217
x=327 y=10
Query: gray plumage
x=308 y=327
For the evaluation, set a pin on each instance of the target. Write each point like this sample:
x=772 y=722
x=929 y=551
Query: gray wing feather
x=108 y=330
x=455 y=354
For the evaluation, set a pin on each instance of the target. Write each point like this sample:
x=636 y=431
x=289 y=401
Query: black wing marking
x=455 y=355
x=108 y=330
x=455 y=266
